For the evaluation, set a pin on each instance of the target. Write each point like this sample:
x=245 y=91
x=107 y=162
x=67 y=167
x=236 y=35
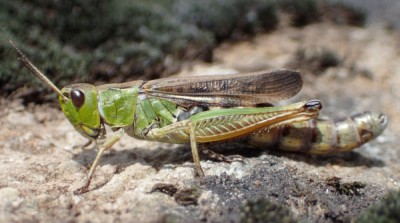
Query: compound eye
x=77 y=97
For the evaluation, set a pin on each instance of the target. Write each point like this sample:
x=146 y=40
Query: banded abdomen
x=318 y=136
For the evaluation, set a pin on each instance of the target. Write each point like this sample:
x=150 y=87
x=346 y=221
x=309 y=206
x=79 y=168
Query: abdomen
x=318 y=136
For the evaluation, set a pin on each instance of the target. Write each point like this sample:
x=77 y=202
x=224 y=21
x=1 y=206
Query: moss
x=188 y=196
x=302 y=12
x=94 y=40
x=315 y=59
x=184 y=196
x=344 y=14
x=119 y=40
x=388 y=210
x=349 y=189
x=263 y=210
x=227 y=17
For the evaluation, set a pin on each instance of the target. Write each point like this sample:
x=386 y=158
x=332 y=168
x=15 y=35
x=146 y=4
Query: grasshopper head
x=77 y=101
x=79 y=104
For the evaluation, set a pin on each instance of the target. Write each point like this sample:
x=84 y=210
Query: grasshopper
x=195 y=110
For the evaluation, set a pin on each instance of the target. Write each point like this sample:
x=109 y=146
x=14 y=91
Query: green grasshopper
x=198 y=109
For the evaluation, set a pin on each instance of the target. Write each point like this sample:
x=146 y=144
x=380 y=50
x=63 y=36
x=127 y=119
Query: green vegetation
x=316 y=60
x=349 y=189
x=388 y=210
x=302 y=12
x=263 y=210
x=120 y=40
x=342 y=13
x=88 y=40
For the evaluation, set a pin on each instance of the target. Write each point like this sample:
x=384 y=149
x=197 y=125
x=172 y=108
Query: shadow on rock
x=156 y=158
x=348 y=159
x=181 y=154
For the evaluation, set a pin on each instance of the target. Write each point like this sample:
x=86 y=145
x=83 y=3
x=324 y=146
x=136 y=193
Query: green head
x=77 y=101
x=79 y=104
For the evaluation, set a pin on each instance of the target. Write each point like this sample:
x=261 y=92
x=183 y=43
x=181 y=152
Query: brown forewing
x=249 y=89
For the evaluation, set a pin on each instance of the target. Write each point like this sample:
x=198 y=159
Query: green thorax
x=117 y=106
x=129 y=108
x=153 y=113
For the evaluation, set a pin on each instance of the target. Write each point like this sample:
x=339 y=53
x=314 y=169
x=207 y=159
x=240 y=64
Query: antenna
x=28 y=64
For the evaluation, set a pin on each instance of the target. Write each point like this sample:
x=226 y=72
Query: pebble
x=10 y=199
x=21 y=118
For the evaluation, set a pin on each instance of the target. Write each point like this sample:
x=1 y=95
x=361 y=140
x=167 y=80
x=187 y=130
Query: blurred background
x=115 y=41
